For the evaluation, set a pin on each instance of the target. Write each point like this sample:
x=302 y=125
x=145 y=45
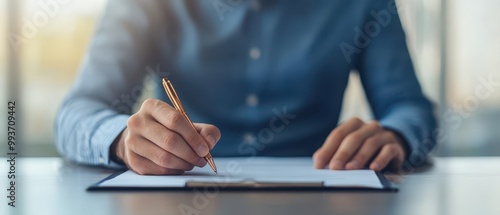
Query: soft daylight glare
x=3 y=53
x=423 y=43
x=50 y=59
x=474 y=50
x=3 y=68
x=51 y=55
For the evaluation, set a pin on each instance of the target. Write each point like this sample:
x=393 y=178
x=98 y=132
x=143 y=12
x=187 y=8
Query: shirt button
x=252 y=100
x=249 y=138
x=255 y=5
x=255 y=53
x=101 y=160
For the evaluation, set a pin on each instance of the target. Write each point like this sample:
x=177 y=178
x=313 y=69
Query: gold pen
x=172 y=95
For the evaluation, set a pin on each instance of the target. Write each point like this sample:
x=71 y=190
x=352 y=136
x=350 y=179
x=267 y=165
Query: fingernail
x=202 y=150
x=337 y=165
x=316 y=164
x=202 y=162
x=352 y=165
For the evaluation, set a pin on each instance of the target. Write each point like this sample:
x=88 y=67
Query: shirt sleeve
x=110 y=80
x=390 y=83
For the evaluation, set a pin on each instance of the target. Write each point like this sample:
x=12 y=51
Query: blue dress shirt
x=271 y=74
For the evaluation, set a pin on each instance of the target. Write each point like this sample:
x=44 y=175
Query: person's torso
x=271 y=75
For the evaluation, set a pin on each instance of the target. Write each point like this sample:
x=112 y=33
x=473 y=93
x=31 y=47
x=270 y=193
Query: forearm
x=100 y=102
x=392 y=88
x=85 y=130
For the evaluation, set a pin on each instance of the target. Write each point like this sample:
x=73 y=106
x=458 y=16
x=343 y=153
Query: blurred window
x=55 y=38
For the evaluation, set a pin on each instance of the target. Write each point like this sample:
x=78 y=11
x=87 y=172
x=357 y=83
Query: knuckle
x=170 y=140
x=356 y=120
x=336 y=134
x=352 y=138
x=149 y=103
x=342 y=155
x=164 y=158
x=134 y=121
x=371 y=142
x=174 y=119
x=193 y=139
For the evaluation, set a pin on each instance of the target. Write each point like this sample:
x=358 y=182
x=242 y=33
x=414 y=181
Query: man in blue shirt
x=269 y=75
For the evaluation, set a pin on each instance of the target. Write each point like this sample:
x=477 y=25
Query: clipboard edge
x=387 y=186
x=386 y=183
x=95 y=186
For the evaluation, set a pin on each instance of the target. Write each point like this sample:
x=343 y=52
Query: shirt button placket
x=254 y=53
x=252 y=100
x=249 y=138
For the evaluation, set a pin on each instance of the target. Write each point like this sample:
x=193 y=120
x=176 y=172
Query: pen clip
x=172 y=95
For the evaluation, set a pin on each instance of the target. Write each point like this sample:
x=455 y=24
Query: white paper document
x=253 y=170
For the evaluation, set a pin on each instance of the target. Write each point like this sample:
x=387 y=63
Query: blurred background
x=455 y=46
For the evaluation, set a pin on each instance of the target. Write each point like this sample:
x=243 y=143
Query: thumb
x=209 y=132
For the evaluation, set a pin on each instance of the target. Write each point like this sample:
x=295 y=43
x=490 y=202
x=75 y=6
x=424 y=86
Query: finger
x=323 y=155
x=177 y=122
x=367 y=151
x=159 y=156
x=211 y=133
x=171 y=142
x=386 y=155
x=144 y=166
x=351 y=144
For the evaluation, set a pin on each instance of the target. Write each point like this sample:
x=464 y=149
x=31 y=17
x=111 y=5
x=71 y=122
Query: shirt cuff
x=416 y=156
x=105 y=135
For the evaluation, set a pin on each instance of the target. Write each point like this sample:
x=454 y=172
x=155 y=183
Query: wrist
x=401 y=141
x=117 y=149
